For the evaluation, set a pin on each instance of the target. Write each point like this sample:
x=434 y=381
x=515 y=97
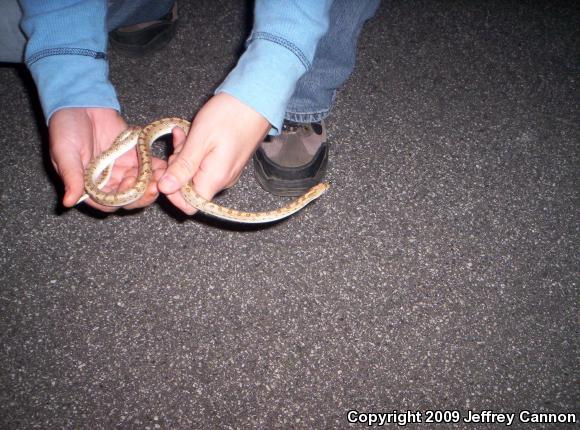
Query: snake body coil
x=99 y=170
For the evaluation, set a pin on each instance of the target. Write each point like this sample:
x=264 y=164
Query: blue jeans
x=333 y=62
x=312 y=100
x=120 y=13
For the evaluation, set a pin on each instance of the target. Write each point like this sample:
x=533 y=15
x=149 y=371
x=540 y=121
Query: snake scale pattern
x=99 y=170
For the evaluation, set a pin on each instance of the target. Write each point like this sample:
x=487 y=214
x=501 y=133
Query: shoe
x=145 y=37
x=294 y=161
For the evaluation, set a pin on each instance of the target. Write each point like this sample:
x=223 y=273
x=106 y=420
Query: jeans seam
x=311 y=116
x=285 y=44
x=306 y=117
x=317 y=112
x=97 y=55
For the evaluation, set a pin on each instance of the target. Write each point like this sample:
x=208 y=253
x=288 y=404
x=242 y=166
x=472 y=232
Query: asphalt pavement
x=440 y=271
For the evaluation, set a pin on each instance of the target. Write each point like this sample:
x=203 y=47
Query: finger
x=70 y=168
x=125 y=183
x=216 y=172
x=152 y=192
x=183 y=165
x=234 y=181
x=179 y=202
x=148 y=197
x=205 y=184
x=179 y=139
x=159 y=166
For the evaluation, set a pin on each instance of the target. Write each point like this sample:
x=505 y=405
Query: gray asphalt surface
x=439 y=272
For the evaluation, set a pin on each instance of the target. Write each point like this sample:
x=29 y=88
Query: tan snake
x=99 y=170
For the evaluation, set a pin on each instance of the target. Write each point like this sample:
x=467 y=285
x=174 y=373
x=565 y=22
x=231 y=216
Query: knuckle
x=233 y=179
x=184 y=165
x=222 y=178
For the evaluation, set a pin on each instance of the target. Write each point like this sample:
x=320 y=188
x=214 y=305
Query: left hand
x=223 y=136
x=76 y=136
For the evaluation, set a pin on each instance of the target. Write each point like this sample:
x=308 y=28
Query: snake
x=99 y=170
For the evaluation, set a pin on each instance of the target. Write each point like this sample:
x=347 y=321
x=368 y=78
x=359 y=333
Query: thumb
x=182 y=165
x=70 y=169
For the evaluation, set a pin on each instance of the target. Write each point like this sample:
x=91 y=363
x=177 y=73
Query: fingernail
x=168 y=182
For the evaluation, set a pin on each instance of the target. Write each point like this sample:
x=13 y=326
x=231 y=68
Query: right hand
x=221 y=140
x=79 y=134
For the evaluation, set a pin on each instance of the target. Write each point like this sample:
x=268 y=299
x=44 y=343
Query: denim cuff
x=314 y=114
x=306 y=117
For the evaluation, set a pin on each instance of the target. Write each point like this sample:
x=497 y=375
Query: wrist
x=83 y=84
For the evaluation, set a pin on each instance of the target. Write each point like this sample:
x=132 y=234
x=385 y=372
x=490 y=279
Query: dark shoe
x=294 y=161
x=140 y=39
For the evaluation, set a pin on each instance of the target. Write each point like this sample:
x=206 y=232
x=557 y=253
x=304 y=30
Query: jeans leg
x=12 y=40
x=333 y=62
x=122 y=13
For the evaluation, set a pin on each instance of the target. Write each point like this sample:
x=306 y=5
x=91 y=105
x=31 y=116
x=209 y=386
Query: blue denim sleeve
x=65 y=53
x=280 y=50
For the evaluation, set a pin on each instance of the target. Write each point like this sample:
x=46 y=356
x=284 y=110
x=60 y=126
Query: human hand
x=76 y=136
x=222 y=138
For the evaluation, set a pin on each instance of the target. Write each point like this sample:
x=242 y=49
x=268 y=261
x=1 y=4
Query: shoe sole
x=156 y=44
x=288 y=187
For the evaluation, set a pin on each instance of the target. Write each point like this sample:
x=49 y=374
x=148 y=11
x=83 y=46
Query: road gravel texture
x=440 y=271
